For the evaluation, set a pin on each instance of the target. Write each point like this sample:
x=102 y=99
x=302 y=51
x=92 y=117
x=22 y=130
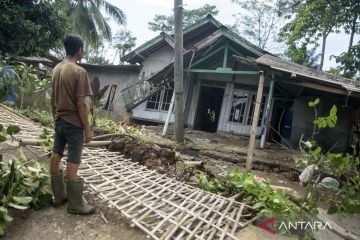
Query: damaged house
x=222 y=72
x=221 y=81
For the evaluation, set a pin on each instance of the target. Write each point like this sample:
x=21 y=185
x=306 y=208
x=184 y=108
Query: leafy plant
x=103 y=125
x=344 y=168
x=251 y=191
x=37 y=115
x=10 y=130
x=22 y=184
x=48 y=137
x=25 y=80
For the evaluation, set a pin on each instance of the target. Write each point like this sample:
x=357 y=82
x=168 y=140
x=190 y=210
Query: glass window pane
x=238 y=106
x=252 y=108
x=154 y=101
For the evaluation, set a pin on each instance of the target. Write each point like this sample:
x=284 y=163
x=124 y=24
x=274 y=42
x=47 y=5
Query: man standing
x=70 y=108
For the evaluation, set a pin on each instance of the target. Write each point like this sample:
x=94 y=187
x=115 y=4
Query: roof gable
x=192 y=35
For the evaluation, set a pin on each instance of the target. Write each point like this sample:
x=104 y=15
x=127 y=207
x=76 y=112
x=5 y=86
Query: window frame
x=161 y=102
x=250 y=95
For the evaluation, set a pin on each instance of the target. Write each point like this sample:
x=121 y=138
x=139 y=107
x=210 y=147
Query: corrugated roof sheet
x=294 y=68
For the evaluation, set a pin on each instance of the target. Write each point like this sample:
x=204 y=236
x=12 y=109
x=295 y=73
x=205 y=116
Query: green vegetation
x=23 y=183
x=261 y=21
x=342 y=167
x=26 y=79
x=38 y=115
x=312 y=23
x=165 y=23
x=86 y=19
x=29 y=28
x=10 y=130
x=251 y=191
x=123 y=41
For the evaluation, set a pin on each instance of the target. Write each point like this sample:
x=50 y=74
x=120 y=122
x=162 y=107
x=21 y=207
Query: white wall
x=152 y=64
x=122 y=79
x=157 y=60
x=140 y=112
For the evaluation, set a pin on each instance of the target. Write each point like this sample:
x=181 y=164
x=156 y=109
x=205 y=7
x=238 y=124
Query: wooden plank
x=168 y=117
x=267 y=114
x=224 y=71
x=210 y=39
x=255 y=119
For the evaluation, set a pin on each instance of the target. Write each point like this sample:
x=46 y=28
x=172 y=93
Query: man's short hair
x=72 y=43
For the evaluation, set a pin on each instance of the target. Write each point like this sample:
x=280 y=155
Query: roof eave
x=130 y=57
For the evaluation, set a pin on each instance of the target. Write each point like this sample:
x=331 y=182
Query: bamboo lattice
x=160 y=206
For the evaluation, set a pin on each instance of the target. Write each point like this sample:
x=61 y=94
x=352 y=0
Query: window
x=154 y=101
x=252 y=108
x=168 y=92
x=109 y=102
x=243 y=105
x=238 y=107
x=161 y=100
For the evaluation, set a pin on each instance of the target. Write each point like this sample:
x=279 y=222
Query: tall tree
x=305 y=55
x=123 y=42
x=350 y=62
x=260 y=21
x=313 y=20
x=165 y=23
x=86 y=19
x=95 y=55
x=349 y=12
x=29 y=27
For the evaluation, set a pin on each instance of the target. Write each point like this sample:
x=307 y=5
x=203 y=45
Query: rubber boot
x=76 y=204
x=58 y=189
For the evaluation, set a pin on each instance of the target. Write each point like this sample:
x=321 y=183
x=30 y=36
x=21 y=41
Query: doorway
x=281 y=121
x=209 y=108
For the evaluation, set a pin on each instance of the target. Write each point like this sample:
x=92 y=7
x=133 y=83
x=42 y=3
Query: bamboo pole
x=168 y=117
x=255 y=120
x=267 y=115
x=39 y=142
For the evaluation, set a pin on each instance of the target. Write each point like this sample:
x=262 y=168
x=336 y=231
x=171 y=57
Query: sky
x=140 y=12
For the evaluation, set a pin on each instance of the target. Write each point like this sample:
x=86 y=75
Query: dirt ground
x=56 y=224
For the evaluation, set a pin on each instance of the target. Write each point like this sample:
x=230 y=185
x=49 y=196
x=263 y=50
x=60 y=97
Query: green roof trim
x=208 y=19
x=161 y=37
x=143 y=47
x=241 y=41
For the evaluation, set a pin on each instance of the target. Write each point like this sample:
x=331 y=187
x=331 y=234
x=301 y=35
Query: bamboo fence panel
x=160 y=206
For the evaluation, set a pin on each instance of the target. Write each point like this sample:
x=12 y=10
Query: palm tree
x=86 y=19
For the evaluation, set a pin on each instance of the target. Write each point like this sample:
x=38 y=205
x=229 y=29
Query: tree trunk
x=353 y=31
x=323 y=51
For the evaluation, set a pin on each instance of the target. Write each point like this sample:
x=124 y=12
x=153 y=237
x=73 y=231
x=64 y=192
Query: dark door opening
x=281 y=121
x=210 y=102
